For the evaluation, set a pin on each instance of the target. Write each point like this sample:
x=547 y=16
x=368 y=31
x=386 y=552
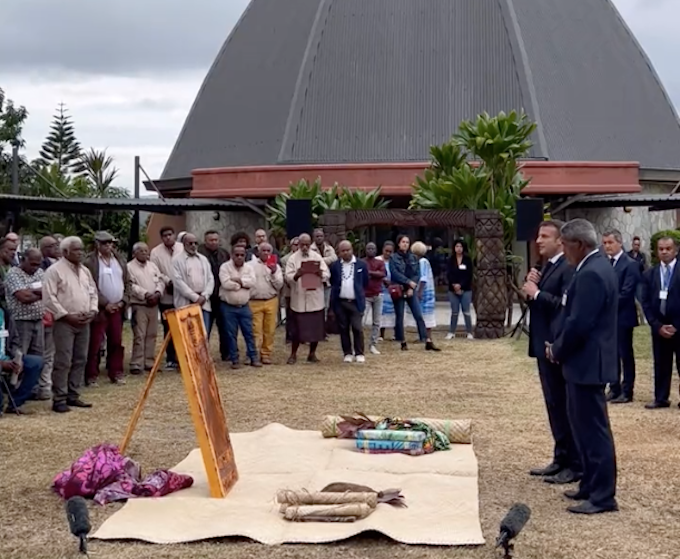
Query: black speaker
x=529 y=217
x=298 y=217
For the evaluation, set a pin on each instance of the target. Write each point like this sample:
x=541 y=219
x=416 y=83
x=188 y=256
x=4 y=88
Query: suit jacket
x=92 y=264
x=360 y=283
x=628 y=273
x=586 y=344
x=651 y=304
x=545 y=309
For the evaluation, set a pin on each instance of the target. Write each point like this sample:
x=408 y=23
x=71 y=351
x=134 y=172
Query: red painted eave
x=548 y=178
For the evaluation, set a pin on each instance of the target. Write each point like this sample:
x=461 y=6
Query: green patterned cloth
x=434 y=440
x=390 y=435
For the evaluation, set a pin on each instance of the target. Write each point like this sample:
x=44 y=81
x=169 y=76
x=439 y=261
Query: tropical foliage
x=334 y=198
x=12 y=119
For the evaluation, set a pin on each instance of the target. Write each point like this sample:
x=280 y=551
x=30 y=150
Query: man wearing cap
x=111 y=276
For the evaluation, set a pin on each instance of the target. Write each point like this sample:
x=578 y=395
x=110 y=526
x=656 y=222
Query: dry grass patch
x=491 y=382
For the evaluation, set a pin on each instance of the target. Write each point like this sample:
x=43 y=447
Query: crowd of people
x=62 y=310
x=583 y=311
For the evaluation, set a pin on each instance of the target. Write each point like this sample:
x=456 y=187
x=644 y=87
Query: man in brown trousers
x=70 y=294
x=147 y=285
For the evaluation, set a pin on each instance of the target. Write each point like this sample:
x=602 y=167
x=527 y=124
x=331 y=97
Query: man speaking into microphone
x=586 y=348
x=544 y=291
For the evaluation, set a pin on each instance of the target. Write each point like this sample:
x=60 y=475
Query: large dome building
x=356 y=91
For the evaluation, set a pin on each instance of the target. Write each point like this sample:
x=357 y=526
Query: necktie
x=664 y=287
x=612 y=261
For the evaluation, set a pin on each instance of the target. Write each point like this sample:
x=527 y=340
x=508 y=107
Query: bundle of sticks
x=335 y=503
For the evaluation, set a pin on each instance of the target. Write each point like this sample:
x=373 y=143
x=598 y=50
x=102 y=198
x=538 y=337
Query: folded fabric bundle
x=456 y=430
x=412 y=452
x=407 y=447
x=390 y=435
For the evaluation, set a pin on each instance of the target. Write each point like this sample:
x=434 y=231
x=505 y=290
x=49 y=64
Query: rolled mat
x=458 y=431
x=356 y=510
x=290 y=498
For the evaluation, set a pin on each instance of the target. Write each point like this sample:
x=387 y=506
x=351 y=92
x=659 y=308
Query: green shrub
x=672 y=233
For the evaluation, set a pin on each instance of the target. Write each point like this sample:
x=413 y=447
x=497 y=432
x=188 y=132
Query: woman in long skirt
x=425 y=291
x=387 y=320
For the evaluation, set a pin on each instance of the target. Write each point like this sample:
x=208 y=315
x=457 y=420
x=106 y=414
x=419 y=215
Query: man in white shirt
x=349 y=278
x=192 y=278
x=237 y=279
x=110 y=273
x=162 y=256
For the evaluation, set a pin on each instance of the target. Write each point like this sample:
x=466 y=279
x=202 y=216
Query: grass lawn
x=492 y=382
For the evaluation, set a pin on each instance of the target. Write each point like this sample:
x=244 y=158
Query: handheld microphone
x=512 y=525
x=79 y=520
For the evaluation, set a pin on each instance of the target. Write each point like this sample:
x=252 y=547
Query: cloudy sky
x=128 y=70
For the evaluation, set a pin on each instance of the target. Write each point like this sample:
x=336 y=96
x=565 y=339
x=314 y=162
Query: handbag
x=396 y=291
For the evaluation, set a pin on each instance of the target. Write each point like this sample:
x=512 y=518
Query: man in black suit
x=544 y=293
x=584 y=347
x=661 y=303
x=628 y=275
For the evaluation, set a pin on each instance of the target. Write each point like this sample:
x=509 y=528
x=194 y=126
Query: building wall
x=158 y=221
x=226 y=225
x=639 y=221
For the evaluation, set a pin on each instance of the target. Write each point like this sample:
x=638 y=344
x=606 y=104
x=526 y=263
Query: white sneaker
x=470 y=337
x=380 y=339
x=361 y=359
x=374 y=350
x=450 y=336
x=349 y=358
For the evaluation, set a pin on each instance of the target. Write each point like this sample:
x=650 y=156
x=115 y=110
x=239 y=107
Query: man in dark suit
x=544 y=291
x=584 y=347
x=349 y=278
x=628 y=275
x=661 y=303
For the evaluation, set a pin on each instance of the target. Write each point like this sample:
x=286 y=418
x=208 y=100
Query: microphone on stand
x=511 y=526
x=79 y=520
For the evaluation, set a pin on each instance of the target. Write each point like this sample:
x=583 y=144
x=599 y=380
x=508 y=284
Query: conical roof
x=351 y=81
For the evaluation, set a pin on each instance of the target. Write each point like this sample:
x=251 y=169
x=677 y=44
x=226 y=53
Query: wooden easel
x=188 y=334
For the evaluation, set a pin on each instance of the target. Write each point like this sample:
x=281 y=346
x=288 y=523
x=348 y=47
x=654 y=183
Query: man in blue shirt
x=28 y=371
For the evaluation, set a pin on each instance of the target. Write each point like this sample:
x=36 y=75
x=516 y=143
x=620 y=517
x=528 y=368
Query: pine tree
x=61 y=147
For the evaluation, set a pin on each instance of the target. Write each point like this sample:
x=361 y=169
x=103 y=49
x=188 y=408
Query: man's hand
x=272 y=267
x=457 y=289
x=412 y=284
x=111 y=308
x=9 y=366
x=201 y=300
x=409 y=293
x=87 y=317
x=549 y=352
x=667 y=331
x=530 y=289
x=534 y=276
x=237 y=280
x=298 y=274
x=319 y=273
x=75 y=319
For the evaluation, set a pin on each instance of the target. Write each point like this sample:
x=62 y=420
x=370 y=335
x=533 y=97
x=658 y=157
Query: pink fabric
x=104 y=474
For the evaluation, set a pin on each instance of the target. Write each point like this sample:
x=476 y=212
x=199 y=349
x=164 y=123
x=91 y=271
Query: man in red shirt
x=374 y=298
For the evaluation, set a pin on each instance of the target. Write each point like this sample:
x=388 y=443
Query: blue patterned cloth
x=388 y=318
x=427 y=302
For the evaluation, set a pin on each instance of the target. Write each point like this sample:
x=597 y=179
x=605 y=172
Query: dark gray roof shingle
x=324 y=81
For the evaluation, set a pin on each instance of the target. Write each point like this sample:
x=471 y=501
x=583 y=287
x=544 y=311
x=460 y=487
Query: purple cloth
x=104 y=474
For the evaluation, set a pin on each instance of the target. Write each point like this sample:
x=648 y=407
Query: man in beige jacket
x=236 y=281
x=147 y=286
x=264 y=299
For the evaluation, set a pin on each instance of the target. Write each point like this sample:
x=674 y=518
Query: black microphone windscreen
x=78 y=516
x=514 y=521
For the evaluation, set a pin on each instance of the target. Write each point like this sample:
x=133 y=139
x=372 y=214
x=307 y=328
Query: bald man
x=349 y=279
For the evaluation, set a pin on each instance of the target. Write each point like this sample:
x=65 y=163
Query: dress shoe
x=266 y=361
x=256 y=363
x=657 y=405
x=612 y=396
x=576 y=495
x=549 y=470
x=16 y=411
x=77 y=403
x=60 y=407
x=565 y=476
x=236 y=365
x=429 y=346
x=312 y=359
x=622 y=399
x=586 y=507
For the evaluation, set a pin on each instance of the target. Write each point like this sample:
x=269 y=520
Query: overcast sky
x=128 y=70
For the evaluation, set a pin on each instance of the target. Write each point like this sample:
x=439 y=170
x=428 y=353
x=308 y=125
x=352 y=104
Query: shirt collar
x=617 y=256
x=354 y=259
x=580 y=265
x=555 y=258
x=670 y=265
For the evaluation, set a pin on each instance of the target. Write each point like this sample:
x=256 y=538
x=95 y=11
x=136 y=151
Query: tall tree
x=61 y=146
x=12 y=119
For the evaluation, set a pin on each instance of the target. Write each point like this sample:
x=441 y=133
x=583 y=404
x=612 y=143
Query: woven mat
x=440 y=489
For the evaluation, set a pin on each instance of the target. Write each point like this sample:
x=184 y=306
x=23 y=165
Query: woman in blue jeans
x=405 y=272
x=459 y=274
